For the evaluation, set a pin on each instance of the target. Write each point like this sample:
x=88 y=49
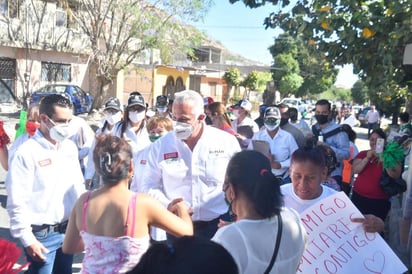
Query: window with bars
x=10 y=8
x=55 y=72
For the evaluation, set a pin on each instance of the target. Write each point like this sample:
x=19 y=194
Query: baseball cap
x=162 y=100
x=262 y=108
x=245 y=104
x=207 y=101
x=272 y=112
x=113 y=103
x=135 y=98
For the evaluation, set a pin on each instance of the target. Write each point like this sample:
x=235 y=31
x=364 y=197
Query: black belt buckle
x=61 y=228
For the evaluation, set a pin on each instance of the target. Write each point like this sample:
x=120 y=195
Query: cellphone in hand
x=380 y=143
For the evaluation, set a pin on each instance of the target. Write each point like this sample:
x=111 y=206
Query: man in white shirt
x=190 y=162
x=373 y=117
x=281 y=143
x=43 y=184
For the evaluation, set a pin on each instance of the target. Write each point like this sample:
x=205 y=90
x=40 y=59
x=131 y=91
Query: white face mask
x=136 y=117
x=236 y=113
x=161 y=109
x=113 y=118
x=271 y=127
x=59 y=132
x=182 y=130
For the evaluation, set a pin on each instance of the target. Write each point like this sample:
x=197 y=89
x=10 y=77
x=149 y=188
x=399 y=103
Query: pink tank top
x=112 y=255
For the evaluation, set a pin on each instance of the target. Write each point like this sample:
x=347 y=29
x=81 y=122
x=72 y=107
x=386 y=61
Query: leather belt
x=60 y=227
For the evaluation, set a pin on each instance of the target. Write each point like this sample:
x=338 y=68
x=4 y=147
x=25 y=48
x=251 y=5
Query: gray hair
x=190 y=96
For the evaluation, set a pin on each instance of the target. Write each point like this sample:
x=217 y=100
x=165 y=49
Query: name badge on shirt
x=170 y=156
x=216 y=153
x=143 y=162
x=45 y=162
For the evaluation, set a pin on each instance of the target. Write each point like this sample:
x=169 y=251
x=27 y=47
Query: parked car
x=81 y=100
x=296 y=103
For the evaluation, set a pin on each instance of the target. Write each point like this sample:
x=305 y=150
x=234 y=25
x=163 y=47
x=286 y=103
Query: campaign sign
x=337 y=245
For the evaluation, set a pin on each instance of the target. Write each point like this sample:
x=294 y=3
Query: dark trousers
x=377 y=207
x=371 y=127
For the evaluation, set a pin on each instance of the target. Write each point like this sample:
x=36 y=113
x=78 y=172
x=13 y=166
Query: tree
x=292 y=58
x=371 y=35
x=359 y=92
x=232 y=78
x=120 y=31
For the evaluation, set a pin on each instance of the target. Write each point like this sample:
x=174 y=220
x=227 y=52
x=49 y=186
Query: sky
x=240 y=29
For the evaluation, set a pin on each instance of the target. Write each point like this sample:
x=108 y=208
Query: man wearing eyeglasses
x=43 y=184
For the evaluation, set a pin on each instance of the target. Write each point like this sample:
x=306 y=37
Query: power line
x=231 y=27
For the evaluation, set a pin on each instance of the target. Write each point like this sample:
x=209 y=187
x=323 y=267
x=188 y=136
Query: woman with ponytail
x=112 y=223
x=254 y=195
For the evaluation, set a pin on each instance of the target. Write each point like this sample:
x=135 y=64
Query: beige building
x=34 y=53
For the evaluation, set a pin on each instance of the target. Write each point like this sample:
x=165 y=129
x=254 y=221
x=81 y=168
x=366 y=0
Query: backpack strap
x=326 y=135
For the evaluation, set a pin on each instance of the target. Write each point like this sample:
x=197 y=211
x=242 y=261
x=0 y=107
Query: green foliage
x=289 y=83
x=371 y=35
x=263 y=79
x=251 y=81
x=232 y=77
x=359 y=92
x=292 y=57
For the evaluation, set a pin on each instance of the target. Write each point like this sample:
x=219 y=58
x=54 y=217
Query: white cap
x=246 y=105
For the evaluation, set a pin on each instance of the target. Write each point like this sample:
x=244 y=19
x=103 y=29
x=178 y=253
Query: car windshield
x=53 y=89
x=292 y=102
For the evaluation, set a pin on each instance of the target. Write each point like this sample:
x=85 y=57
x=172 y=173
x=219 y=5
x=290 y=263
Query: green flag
x=22 y=124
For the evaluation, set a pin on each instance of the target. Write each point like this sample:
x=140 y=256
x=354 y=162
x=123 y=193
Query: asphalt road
x=9 y=123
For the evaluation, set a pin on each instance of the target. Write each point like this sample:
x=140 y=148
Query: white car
x=296 y=103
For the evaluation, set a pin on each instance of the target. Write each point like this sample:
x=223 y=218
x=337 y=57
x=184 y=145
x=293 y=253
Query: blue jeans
x=56 y=261
x=371 y=127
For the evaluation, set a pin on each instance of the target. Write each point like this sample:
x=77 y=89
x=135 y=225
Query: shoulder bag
x=275 y=253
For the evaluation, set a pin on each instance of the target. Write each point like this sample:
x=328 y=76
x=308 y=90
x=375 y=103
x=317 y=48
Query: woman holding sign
x=308 y=169
x=267 y=238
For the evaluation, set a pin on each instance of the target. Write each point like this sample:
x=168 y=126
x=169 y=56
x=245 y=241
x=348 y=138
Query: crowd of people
x=188 y=190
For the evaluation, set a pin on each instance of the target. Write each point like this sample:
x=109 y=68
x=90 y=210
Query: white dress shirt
x=281 y=147
x=173 y=171
x=138 y=141
x=372 y=116
x=43 y=184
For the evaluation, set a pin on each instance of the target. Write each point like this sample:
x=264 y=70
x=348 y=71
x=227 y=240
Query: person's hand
x=370 y=223
x=36 y=251
x=177 y=206
x=370 y=154
x=274 y=164
x=223 y=223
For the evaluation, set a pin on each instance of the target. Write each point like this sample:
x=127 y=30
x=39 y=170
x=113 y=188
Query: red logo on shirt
x=143 y=162
x=171 y=155
x=45 y=162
